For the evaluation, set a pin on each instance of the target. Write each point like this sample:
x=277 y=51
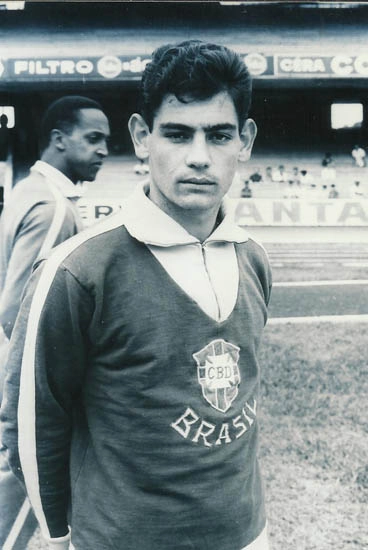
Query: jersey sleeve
x=268 y=284
x=45 y=369
x=263 y=269
x=43 y=227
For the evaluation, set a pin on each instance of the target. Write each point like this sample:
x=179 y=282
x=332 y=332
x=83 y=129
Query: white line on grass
x=319 y=319
x=17 y=526
x=323 y=283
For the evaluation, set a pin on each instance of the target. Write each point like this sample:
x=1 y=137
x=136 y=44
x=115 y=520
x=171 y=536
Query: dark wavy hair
x=194 y=70
x=63 y=114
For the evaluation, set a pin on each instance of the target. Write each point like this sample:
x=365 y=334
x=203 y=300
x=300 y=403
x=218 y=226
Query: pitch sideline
x=319 y=319
x=322 y=283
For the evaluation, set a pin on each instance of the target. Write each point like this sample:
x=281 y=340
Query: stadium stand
x=345 y=176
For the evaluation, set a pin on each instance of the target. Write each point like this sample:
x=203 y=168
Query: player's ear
x=57 y=139
x=139 y=132
x=247 y=136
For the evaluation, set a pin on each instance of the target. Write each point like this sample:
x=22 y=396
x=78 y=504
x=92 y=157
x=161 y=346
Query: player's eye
x=93 y=138
x=177 y=137
x=220 y=137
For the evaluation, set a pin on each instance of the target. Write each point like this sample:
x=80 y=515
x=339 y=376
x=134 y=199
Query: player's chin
x=203 y=201
x=91 y=174
x=200 y=192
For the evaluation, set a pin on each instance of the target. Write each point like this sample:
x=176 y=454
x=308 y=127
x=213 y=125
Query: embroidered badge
x=218 y=373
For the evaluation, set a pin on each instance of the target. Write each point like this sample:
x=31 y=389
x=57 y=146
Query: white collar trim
x=146 y=222
x=66 y=187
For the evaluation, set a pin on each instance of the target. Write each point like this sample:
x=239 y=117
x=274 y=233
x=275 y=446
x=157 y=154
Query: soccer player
x=39 y=214
x=135 y=404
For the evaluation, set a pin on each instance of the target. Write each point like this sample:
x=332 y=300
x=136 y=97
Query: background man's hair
x=194 y=70
x=63 y=114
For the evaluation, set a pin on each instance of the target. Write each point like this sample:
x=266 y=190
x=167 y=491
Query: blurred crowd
x=296 y=182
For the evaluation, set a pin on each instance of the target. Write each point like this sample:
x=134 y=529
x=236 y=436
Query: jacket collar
x=66 y=187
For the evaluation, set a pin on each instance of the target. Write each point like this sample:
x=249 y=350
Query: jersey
x=147 y=421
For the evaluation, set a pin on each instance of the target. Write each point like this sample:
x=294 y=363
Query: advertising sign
x=338 y=66
x=259 y=65
x=93 y=210
x=263 y=212
x=109 y=67
x=289 y=212
x=120 y=67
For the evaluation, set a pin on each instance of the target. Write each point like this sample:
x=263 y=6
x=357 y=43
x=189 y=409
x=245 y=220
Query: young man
x=136 y=402
x=39 y=214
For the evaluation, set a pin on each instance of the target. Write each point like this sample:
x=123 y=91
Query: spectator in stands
x=269 y=173
x=328 y=172
x=280 y=175
x=4 y=121
x=292 y=191
x=289 y=191
x=327 y=160
x=356 y=191
x=295 y=176
x=359 y=156
x=141 y=379
x=246 y=192
x=312 y=191
x=306 y=178
x=40 y=213
x=324 y=192
x=256 y=177
x=4 y=137
x=333 y=194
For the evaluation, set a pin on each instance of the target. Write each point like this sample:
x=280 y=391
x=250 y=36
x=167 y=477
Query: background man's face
x=193 y=152
x=86 y=146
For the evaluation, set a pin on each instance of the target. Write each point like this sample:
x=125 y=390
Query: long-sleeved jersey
x=137 y=416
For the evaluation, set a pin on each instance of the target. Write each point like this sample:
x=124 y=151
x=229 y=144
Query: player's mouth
x=198 y=181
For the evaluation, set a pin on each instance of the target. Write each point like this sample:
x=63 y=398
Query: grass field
x=314 y=445
x=314 y=428
x=328 y=272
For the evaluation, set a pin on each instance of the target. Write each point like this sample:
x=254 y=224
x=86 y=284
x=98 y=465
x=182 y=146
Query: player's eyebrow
x=175 y=126
x=98 y=133
x=222 y=126
x=207 y=128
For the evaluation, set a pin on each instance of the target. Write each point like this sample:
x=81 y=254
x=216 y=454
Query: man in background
x=39 y=214
x=132 y=418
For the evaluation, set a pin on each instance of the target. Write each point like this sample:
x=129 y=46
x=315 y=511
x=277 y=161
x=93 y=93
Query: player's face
x=193 y=150
x=86 y=146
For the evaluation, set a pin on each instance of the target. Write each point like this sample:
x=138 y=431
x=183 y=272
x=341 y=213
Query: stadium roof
x=57 y=31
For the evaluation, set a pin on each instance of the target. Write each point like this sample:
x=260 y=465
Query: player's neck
x=198 y=222
x=201 y=229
